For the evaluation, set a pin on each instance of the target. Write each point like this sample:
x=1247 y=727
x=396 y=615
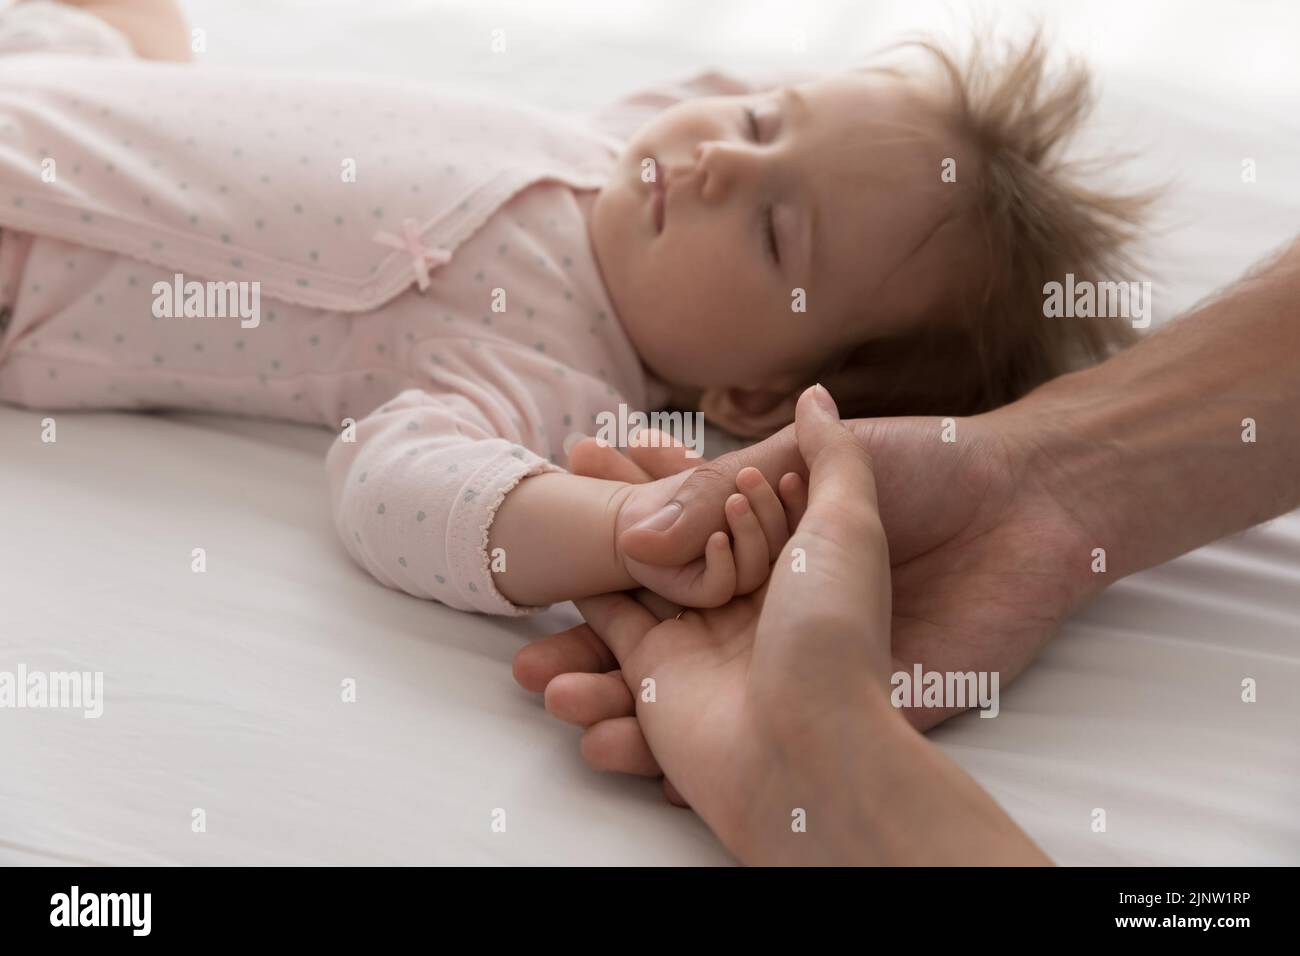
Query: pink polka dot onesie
x=406 y=267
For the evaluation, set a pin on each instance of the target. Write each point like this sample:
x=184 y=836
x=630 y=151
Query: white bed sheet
x=223 y=689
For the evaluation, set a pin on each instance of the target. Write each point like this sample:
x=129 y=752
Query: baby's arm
x=430 y=498
x=416 y=483
x=441 y=493
x=156 y=28
x=558 y=534
x=554 y=539
x=540 y=518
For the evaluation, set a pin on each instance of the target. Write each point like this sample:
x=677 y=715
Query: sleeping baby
x=454 y=285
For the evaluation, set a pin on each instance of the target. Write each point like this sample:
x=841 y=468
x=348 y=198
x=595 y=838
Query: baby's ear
x=748 y=413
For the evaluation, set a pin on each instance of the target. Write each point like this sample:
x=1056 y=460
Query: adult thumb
x=841 y=484
x=834 y=590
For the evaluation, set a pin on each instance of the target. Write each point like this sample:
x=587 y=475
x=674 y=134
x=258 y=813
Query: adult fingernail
x=823 y=398
x=661 y=520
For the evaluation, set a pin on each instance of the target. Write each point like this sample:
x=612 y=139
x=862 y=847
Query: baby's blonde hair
x=1032 y=219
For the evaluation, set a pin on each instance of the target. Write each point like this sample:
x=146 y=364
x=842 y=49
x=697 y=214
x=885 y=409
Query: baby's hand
x=760 y=524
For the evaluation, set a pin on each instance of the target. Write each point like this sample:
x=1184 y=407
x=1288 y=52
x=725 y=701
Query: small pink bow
x=422 y=257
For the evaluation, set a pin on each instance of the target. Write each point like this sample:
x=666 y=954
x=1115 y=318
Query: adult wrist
x=877 y=793
x=1065 y=453
x=1190 y=435
x=819 y=804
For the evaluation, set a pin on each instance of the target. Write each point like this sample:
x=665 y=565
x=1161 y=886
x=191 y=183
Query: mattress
x=281 y=707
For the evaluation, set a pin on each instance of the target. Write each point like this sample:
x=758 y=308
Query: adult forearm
x=1191 y=435
x=879 y=794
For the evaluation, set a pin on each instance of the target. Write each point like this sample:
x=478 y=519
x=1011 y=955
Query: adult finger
x=620 y=746
x=660 y=454
x=618 y=620
x=577 y=649
x=586 y=699
x=842 y=584
x=595 y=460
x=841 y=485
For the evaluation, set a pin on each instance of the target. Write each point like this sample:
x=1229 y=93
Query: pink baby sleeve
x=415 y=489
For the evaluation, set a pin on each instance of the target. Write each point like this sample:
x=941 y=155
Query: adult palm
x=729 y=698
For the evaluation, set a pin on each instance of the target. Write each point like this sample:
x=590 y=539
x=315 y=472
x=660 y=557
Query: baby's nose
x=718 y=165
x=676 y=174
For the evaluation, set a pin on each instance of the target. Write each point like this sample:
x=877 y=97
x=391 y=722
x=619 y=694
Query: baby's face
x=831 y=187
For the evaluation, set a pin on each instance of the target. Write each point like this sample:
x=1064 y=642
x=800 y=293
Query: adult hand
x=774 y=709
x=986 y=560
x=1000 y=525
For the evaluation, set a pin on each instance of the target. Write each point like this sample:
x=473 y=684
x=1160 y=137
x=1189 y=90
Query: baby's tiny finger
x=577 y=649
x=767 y=506
x=586 y=699
x=748 y=544
x=794 y=495
x=717 y=585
